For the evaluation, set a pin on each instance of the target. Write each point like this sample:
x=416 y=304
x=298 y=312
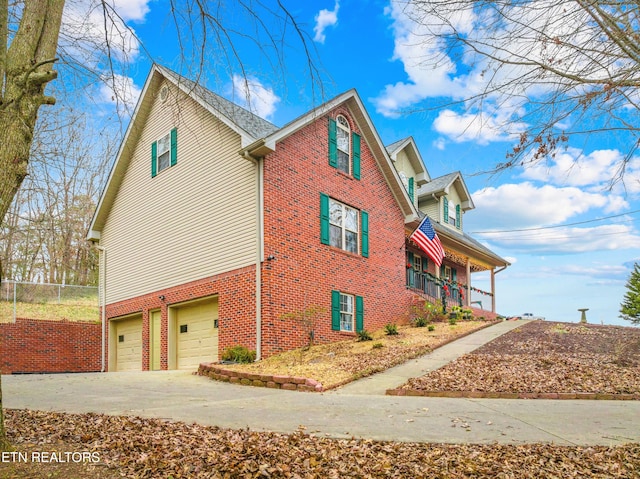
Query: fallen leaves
x=151 y=448
x=543 y=357
x=337 y=363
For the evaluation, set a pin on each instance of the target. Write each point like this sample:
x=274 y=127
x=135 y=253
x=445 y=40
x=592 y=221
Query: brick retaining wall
x=37 y=346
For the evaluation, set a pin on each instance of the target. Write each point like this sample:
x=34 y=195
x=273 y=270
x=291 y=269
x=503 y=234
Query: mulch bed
x=543 y=360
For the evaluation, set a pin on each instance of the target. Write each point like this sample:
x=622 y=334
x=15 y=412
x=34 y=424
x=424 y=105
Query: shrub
x=420 y=322
x=431 y=327
x=238 y=354
x=453 y=320
x=391 y=329
x=377 y=345
x=364 y=335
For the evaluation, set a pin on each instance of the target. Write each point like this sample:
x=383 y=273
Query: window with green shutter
x=343 y=227
x=347 y=312
x=164 y=152
x=411 y=189
x=364 y=221
x=445 y=215
x=344 y=147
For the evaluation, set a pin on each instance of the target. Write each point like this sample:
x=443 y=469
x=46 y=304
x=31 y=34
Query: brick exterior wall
x=304 y=271
x=37 y=346
x=236 y=310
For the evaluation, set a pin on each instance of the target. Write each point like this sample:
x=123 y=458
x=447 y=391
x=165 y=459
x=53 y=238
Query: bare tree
x=559 y=69
x=30 y=32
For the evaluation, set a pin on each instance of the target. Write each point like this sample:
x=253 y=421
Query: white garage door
x=128 y=341
x=197 y=331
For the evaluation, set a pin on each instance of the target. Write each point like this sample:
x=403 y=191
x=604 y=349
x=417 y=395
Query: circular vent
x=164 y=93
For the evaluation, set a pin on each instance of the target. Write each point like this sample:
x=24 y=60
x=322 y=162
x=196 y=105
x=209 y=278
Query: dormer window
x=344 y=147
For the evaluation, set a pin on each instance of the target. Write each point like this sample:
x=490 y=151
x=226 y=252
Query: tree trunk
x=25 y=70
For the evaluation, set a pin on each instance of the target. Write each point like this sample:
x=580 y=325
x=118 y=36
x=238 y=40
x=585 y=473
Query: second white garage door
x=197 y=333
x=128 y=342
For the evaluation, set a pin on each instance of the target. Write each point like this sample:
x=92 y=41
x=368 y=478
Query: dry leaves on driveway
x=153 y=448
x=546 y=357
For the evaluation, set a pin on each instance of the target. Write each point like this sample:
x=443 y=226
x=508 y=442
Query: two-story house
x=215 y=224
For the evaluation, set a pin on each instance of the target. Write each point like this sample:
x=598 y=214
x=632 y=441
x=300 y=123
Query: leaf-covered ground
x=153 y=448
x=336 y=363
x=546 y=357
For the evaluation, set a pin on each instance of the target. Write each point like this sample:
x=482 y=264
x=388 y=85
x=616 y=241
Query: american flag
x=427 y=239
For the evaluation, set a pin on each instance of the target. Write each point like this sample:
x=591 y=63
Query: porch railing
x=448 y=293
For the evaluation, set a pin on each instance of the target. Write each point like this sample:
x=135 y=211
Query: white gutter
x=102 y=280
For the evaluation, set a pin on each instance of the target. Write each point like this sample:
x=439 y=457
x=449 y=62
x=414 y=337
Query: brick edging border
x=290 y=383
x=509 y=395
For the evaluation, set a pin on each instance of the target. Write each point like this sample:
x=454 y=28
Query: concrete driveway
x=184 y=397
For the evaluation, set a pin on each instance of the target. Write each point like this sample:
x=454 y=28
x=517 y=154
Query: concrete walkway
x=179 y=395
x=394 y=377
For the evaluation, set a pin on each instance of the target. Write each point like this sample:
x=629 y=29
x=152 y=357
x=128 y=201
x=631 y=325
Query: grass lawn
x=76 y=310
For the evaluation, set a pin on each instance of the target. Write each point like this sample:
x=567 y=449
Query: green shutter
x=154 y=159
x=411 y=189
x=454 y=274
x=355 y=145
x=458 y=223
x=324 y=219
x=333 y=143
x=174 y=147
x=410 y=275
x=359 y=313
x=335 y=310
x=364 y=224
x=446 y=210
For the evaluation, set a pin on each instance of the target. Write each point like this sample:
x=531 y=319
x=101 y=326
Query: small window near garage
x=183 y=328
x=121 y=338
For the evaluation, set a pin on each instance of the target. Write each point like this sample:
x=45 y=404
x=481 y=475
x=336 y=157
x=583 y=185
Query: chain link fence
x=48 y=301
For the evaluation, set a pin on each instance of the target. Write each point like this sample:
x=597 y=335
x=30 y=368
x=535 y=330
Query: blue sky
x=571 y=239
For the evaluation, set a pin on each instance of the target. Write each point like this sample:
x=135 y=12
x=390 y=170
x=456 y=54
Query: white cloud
x=573 y=167
x=254 y=96
x=131 y=10
x=324 y=19
x=568 y=240
x=120 y=90
x=85 y=36
x=481 y=128
x=511 y=206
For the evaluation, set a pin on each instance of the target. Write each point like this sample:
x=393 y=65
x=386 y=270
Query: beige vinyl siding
x=194 y=219
x=431 y=209
x=404 y=165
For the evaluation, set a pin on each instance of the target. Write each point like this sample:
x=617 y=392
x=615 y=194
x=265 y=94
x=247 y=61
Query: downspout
x=102 y=281
x=260 y=246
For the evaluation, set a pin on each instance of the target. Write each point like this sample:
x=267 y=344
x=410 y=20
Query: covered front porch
x=451 y=283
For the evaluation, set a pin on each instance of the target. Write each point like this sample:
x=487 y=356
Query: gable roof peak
x=245 y=122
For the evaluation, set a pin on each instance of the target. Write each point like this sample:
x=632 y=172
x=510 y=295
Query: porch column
x=493 y=290
x=467 y=294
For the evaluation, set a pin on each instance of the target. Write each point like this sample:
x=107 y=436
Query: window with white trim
x=343 y=226
x=346 y=312
x=343 y=137
x=164 y=152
